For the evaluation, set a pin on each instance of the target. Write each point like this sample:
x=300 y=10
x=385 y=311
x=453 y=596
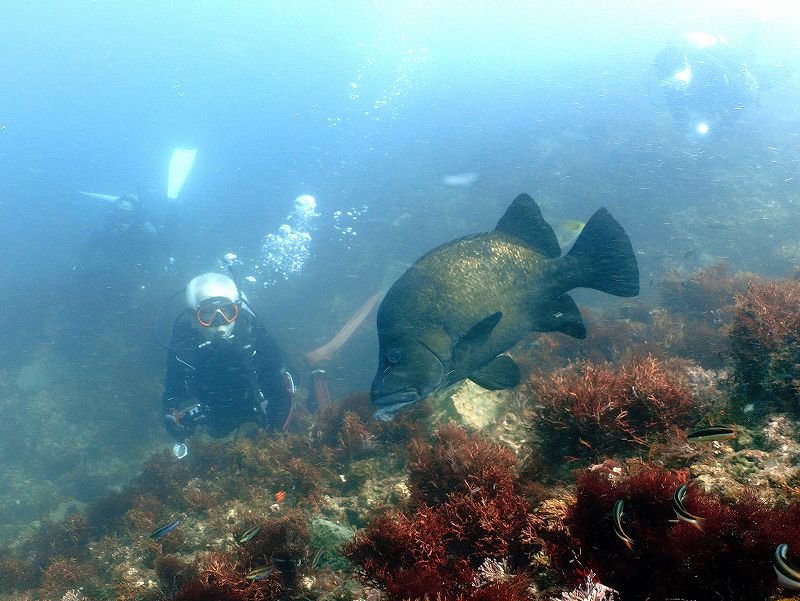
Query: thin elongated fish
x=681 y=511
x=162 y=531
x=712 y=433
x=249 y=533
x=259 y=573
x=788 y=573
x=616 y=517
x=317 y=556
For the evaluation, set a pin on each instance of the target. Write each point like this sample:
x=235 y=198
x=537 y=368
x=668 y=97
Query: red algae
x=456 y=461
x=592 y=410
x=765 y=345
x=439 y=550
x=222 y=579
x=469 y=515
x=730 y=558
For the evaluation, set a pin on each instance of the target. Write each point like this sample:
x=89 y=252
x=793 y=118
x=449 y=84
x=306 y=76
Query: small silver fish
x=259 y=573
x=616 y=516
x=162 y=531
x=249 y=534
x=680 y=510
x=317 y=557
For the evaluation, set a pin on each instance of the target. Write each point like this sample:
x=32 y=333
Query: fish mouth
x=392 y=403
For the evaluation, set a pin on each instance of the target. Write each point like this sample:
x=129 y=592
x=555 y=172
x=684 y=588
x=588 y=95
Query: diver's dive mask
x=217 y=311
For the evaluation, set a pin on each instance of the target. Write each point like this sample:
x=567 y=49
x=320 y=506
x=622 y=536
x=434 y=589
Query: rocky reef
x=480 y=495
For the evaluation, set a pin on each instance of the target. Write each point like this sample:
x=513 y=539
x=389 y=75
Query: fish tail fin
x=602 y=257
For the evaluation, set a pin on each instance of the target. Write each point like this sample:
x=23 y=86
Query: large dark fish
x=455 y=310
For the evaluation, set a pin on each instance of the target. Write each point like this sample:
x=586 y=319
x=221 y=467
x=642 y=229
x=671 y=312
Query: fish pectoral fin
x=562 y=316
x=477 y=335
x=500 y=373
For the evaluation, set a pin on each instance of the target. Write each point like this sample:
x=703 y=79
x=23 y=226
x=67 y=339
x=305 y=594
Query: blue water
x=367 y=106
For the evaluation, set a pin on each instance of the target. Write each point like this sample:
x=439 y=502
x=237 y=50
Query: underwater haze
x=410 y=124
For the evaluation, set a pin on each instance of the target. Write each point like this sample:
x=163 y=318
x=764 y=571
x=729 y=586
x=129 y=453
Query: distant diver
x=128 y=250
x=705 y=82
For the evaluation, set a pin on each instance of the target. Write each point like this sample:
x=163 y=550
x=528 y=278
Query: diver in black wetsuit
x=128 y=246
x=704 y=81
x=223 y=367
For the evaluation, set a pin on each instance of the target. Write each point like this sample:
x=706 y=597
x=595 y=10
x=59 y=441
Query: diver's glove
x=173 y=427
x=180 y=422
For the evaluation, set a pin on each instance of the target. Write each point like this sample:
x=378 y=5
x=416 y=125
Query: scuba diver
x=705 y=83
x=128 y=246
x=223 y=368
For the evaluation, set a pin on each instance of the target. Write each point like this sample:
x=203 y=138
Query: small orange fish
x=280 y=496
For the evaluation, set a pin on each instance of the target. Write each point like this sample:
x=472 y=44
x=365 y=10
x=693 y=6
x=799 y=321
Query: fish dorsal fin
x=524 y=220
x=499 y=374
x=476 y=336
x=562 y=316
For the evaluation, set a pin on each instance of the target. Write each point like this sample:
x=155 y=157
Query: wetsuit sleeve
x=272 y=379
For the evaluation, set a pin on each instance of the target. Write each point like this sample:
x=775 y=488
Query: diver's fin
x=524 y=220
x=180 y=165
x=602 y=258
x=500 y=373
x=562 y=316
x=477 y=335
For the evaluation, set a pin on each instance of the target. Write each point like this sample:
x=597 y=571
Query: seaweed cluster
x=589 y=411
x=222 y=578
x=696 y=311
x=765 y=345
x=260 y=569
x=467 y=532
x=301 y=494
x=729 y=558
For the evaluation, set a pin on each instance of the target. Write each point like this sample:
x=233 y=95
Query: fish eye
x=393 y=356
